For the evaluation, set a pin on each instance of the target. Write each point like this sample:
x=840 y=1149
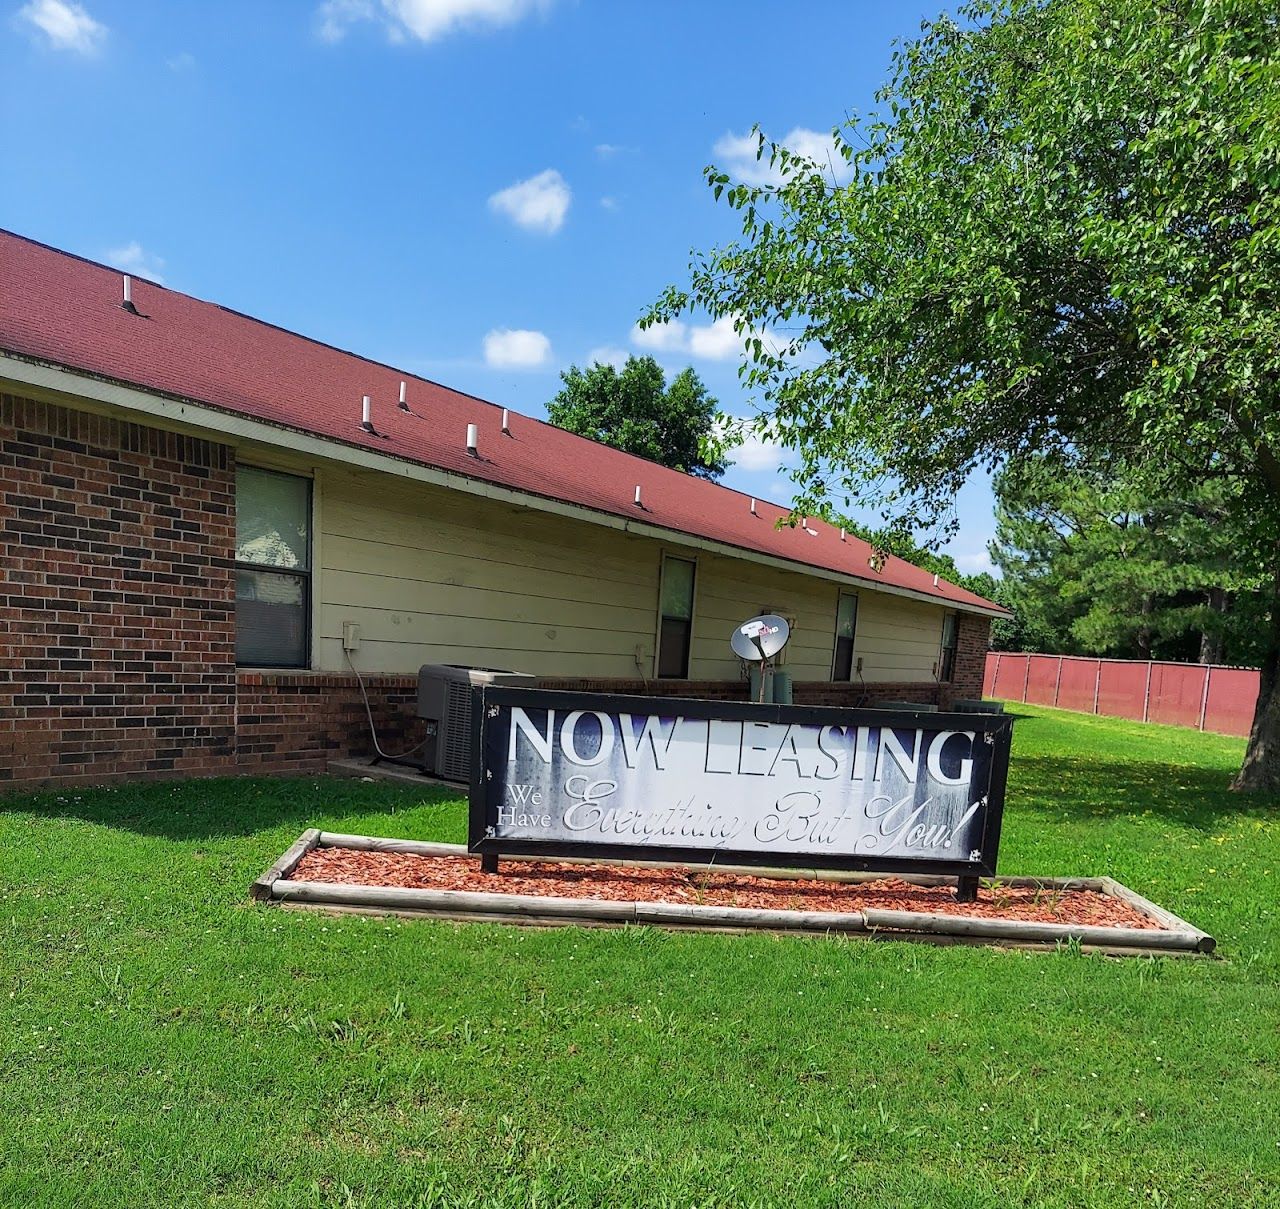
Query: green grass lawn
x=163 y=1041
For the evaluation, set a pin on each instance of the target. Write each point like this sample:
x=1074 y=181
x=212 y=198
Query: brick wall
x=804 y=692
x=972 y=643
x=117 y=602
x=713 y=690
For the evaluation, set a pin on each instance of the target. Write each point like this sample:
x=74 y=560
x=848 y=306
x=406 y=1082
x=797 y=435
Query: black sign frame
x=488 y=785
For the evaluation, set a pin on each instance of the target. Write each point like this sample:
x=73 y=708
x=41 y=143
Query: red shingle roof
x=59 y=308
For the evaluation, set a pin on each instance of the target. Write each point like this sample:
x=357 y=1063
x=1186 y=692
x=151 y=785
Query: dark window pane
x=844 y=659
x=949 y=664
x=673 y=648
x=273 y=519
x=950 y=637
x=846 y=627
x=271 y=619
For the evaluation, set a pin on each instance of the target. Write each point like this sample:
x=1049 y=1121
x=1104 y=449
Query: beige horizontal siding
x=897 y=639
x=432 y=576
x=730 y=591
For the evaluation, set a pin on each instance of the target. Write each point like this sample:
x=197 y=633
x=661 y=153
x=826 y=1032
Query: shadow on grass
x=1199 y=798
x=226 y=807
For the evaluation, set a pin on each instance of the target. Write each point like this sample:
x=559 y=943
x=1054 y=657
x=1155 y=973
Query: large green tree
x=634 y=409
x=1060 y=236
x=1096 y=565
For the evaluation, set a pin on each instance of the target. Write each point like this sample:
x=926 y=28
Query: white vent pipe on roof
x=638 y=503
x=753 y=509
x=473 y=440
x=506 y=421
x=366 y=414
x=935 y=579
x=842 y=535
x=127 y=304
x=404 y=404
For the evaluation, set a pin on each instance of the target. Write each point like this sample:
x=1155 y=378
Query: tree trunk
x=1260 y=771
x=1144 y=630
x=1211 y=642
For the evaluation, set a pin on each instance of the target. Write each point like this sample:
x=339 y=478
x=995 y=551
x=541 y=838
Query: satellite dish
x=761 y=638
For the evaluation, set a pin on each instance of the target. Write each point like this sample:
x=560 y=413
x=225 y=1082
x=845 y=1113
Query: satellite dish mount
x=759 y=641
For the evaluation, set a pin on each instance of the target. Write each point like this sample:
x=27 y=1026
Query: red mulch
x=558 y=880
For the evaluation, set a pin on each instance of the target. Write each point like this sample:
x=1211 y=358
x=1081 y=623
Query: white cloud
x=537 y=204
x=135 y=260
x=748 y=448
x=672 y=337
x=607 y=354
x=184 y=61
x=972 y=564
x=736 y=154
x=421 y=20
x=758 y=453
x=516 y=348
x=715 y=341
x=66 y=24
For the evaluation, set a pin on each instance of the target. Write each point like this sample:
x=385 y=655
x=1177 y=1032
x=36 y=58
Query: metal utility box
x=444 y=698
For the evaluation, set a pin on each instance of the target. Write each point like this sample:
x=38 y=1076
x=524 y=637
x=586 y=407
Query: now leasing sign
x=583 y=774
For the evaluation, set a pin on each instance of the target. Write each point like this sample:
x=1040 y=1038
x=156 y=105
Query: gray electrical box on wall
x=444 y=697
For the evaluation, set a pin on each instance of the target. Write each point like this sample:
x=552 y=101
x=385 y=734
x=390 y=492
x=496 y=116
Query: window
x=950 y=633
x=273 y=568
x=675 y=618
x=846 y=626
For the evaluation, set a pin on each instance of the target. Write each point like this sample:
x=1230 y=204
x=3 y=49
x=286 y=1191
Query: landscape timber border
x=1174 y=937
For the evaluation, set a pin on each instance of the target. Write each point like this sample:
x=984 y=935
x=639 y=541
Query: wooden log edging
x=263 y=887
x=1173 y=937
x=1021 y=929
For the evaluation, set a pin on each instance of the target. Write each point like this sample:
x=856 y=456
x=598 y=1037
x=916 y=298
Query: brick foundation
x=294 y=722
x=117 y=623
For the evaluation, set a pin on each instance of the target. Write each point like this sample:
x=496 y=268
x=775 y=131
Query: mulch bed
x=555 y=879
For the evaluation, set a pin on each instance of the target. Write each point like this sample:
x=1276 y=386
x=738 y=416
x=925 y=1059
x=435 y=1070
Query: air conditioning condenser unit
x=444 y=697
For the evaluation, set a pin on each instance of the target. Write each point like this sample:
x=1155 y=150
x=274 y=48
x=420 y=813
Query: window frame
x=661 y=617
x=947 y=668
x=853 y=641
x=306 y=575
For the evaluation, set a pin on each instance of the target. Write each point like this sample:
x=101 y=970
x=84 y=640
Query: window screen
x=846 y=626
x=950 y=634
x=273 y=568
x=675 y=628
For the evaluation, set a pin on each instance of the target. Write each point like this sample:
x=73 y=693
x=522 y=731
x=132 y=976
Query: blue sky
x=479 y=191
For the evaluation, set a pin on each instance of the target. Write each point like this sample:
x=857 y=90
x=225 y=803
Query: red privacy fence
x=1208 y=697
